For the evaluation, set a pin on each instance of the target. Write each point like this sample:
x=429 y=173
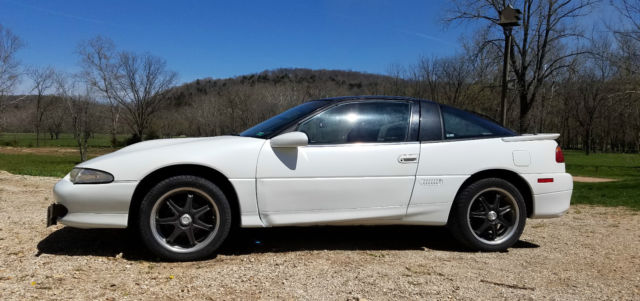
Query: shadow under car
x=111 y=242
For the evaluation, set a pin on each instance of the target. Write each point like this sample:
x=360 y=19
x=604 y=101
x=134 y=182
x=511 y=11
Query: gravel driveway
x=591 y=253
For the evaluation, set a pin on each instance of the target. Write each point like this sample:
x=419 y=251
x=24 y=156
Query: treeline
x=594 y=103
x=581 y=105
x=584 y=84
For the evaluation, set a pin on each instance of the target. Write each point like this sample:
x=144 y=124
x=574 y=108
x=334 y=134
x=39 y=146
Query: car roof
x=372 y=97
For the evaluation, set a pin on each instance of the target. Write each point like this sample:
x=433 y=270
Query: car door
x=360 y=164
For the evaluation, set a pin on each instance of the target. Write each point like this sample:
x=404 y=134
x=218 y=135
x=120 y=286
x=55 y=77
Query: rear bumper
x=550 y=199
x=549 y=205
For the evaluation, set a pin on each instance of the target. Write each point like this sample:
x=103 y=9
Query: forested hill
x=209 y=106
x=333 y=82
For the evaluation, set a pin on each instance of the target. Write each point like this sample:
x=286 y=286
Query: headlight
x=89 y=176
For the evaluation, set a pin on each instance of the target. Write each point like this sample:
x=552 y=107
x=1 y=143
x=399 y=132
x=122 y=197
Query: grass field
x=623 y=167
x=56 y=165
x=65 y=140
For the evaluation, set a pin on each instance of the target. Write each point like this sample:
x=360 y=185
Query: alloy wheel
x=493 y=216
x=184 y=220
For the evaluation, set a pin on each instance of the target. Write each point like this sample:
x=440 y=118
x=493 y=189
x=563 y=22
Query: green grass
x=623 y=167
x=56 y=165
x=65 y=140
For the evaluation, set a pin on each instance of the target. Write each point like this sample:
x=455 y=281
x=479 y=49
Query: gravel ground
x=590 y=253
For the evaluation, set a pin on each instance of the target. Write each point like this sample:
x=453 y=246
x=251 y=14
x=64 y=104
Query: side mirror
x=291 y=139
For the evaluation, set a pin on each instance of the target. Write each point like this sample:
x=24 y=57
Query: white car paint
x=234 y=157
x=358 y=183
x=285 y=182
x=444 y=166
x=315 y=184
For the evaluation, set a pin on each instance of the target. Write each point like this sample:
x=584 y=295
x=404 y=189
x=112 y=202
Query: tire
x=184 y=218
x=481 y=223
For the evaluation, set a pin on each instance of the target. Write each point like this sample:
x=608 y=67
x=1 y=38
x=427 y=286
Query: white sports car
x=349 y=160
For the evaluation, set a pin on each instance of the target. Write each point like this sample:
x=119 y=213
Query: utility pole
x=509 y=17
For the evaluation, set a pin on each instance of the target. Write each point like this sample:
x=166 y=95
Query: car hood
x=230 y=155
x=144 y=145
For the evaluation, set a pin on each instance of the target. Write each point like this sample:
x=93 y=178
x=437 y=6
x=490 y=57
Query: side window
x=459 y=124
x=360 y=122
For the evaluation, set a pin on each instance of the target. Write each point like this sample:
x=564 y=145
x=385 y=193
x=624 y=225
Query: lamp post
x=509 y=17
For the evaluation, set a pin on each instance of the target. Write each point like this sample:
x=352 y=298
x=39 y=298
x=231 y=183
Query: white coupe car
x=352 y=160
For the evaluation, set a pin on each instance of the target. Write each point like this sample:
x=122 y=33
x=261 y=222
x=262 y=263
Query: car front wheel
x=184 y=218
x=488 y=215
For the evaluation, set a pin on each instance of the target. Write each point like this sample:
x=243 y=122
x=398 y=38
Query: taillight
x=559 y=155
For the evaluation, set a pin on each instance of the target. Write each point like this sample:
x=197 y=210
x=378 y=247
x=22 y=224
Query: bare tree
x=455 y=73
x=590 y=87
x=630 y=10
x=99 y=69
x=139 y=86
x=55 y=119
x=9 y=67
x=429 y=73
x=397 y=72
x=43 y=81
x=81 y=109
x=538 y=49
x=628 y=60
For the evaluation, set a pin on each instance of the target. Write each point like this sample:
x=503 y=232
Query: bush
x=132 y=140
x=151 y=135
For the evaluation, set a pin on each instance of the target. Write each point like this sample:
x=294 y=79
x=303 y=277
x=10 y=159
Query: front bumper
x=54 y=212
x=94 y=205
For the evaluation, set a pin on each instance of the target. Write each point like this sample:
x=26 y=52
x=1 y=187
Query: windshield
x=284 y=119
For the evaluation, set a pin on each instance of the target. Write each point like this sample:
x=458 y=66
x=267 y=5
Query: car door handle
x=408 y=158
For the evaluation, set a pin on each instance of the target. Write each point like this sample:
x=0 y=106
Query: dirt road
x=591 y=253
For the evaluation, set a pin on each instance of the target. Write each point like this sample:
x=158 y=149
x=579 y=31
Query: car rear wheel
x=488 y=215
x=184 y=218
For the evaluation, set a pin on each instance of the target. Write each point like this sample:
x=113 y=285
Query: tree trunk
x=587 y=141
x=115 y=114
x=83 y=153
x=114 y=138
x=523 y=122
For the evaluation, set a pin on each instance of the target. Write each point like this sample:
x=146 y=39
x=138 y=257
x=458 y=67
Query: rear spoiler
x=531 y=137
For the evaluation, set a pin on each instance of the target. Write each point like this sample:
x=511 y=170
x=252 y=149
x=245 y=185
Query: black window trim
x=420 y=124
x=414 y=122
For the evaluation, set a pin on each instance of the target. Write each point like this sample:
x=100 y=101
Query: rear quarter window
x=459 y=124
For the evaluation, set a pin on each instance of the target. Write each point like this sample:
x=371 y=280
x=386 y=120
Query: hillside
x=211 y=106
x=308 y=80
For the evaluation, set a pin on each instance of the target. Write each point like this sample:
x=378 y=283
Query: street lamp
x=509 y=17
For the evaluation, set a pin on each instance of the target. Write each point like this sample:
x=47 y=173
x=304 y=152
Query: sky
x=222 y=39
